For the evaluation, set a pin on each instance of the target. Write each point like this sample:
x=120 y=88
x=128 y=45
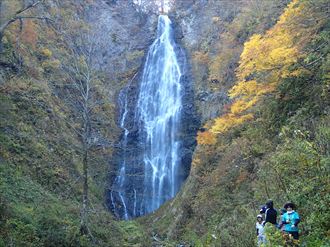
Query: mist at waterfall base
x=149 y=164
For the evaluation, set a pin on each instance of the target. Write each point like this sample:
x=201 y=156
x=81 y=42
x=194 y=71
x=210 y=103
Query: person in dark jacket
x=270 y=213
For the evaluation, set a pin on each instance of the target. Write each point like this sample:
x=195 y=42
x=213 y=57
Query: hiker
x=260 y=230
x=270 y=213
x=291 y=220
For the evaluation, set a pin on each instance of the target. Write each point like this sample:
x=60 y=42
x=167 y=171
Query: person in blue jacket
x=291 y=220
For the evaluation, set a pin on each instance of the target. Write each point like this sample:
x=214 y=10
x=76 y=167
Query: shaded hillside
x=60 y=74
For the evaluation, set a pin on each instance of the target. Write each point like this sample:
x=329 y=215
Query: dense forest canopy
x=260 y=76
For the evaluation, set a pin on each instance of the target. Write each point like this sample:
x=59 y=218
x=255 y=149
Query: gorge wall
x=213 y=34
x=281 y=153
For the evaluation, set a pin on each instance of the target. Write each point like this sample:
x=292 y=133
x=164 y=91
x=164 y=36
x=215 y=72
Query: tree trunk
x=84 y=211
x=85 y=142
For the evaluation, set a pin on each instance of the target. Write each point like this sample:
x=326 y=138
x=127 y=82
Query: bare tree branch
x=16 y=17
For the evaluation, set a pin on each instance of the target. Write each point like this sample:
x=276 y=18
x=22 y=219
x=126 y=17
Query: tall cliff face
x=123 y=35
x=127 y=193
x=213 y=34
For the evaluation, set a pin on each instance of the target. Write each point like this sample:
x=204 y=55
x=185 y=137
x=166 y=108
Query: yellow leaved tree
x=265 y=61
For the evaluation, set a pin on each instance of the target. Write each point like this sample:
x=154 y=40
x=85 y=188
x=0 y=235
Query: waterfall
x=158 y=113
x=120 y=181
x=150 y=176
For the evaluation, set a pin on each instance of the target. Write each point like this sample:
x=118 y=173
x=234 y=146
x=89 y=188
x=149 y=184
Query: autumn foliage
x=265 y=61
x=206 y=138
x=29 y=33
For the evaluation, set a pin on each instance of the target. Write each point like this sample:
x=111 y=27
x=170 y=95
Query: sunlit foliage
x=206 y=138
x=267 y=60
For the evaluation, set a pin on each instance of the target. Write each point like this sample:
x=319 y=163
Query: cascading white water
x=158 y=112
x=120 y=181
x=148 y=177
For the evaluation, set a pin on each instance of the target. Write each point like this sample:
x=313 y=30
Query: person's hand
x=293 y=226
x=287 y=221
